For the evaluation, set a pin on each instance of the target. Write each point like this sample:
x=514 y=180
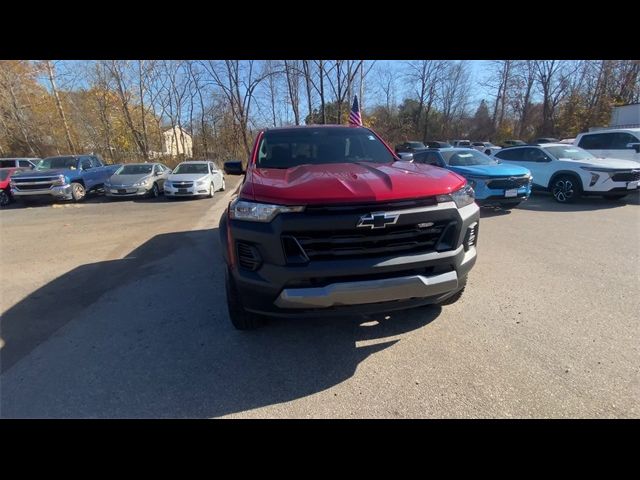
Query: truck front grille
x=334 y=244
x=39 y=183
x=631 y=176
x=506 y=183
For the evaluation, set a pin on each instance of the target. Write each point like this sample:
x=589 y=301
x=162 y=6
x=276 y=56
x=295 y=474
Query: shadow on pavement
x=148 y=336
x=544 y=202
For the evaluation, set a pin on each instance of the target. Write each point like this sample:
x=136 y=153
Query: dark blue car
x=495 y=184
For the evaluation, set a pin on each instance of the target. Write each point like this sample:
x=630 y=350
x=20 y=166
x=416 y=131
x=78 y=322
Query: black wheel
x=78 y=192
x=615 y=197
x=154 y=192
x=5 y=198
x=210 y=194
x=566 y=189
x=224 y=186
x=240 y=318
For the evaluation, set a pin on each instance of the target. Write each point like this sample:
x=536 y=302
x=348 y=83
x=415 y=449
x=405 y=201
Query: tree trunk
x=59 y=106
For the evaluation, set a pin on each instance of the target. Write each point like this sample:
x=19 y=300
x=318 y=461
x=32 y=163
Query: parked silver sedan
x=137 y=180
x=194 y=178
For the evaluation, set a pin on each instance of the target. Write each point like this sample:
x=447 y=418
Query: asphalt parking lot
x=117 y=309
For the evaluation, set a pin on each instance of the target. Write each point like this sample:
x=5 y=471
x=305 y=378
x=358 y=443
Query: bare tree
x=52 y=79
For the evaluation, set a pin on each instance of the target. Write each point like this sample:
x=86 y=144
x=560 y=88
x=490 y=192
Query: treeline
x=120 y=109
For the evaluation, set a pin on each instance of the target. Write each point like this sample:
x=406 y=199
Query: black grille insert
x=626 y=176
x=326 y=245
x=506 y=183
x=248 y=256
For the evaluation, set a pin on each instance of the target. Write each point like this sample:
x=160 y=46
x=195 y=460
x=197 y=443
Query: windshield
x=134 y=169
x=192 y=168
x=570 y=152
x=290 y=148
x=415 y=144
x=467 y=158
x=4 y=174
x=57 y=162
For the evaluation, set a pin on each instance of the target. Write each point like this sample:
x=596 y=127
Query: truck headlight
x=462 y=197
x=61 y=180
x=258 y=212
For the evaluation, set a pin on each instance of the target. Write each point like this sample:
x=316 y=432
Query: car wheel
x=615 y=197
x=210 y=194
x=77 y=192
x=5 y=199
x=154 y=192
x=240 y=318
x=224 y=186
x=566 y=189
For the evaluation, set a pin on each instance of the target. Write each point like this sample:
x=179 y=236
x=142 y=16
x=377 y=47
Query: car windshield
x=415 y=144
x=192 y=168
x=4 y=174
x=58 y=162
x=467 y=158
x=290 y=148
x=134 y=169
x=570 y=152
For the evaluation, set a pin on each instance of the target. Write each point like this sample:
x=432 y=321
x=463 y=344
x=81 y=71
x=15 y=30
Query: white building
x=178 y=142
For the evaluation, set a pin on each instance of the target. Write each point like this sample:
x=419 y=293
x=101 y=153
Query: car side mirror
x=406 y=156
x=635 y=146
x=234 y=167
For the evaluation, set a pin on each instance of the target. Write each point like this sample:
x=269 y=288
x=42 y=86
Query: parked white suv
x=487 y=148
x=568 y=171
x=190 y=179
x=623 y=143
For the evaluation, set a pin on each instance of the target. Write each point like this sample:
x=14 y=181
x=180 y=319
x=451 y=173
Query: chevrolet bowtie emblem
x=378 y=220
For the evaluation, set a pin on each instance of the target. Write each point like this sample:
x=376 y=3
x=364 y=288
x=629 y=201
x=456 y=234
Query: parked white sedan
x=190 y=179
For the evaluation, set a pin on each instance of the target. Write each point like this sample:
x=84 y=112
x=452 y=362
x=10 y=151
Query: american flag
x=354 y=116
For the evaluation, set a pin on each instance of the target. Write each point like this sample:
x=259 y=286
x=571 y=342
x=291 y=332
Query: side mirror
x=406 y=156
x=233 y=167
x=635 y=146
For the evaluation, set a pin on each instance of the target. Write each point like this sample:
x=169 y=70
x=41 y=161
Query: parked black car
x=437 y=144
x=410 y=147
x=545 y=140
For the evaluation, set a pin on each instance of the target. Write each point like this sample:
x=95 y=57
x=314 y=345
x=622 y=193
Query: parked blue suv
x=495 y=184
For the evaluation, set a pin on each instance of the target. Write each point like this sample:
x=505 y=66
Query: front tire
x=566 y=189
x=210 y=194
x=5 y=198
x=154 y=192
x=224 y=186
x=240 y=318
x=77 y=192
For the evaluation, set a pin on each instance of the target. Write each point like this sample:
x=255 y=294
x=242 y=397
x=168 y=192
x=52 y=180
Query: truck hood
x=347 y=183
x=498 y=170
x=44 y=173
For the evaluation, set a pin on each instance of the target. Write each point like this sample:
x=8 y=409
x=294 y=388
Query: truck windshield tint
x=466 y=158
x=58 y=162
x=192 y=168
x=134 y=169
x=290 y=148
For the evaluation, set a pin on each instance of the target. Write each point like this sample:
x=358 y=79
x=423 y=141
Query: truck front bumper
x=348 y=285
x=62 y=192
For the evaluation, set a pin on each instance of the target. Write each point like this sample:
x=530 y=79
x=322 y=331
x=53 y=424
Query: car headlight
x=258 y=212
x=167 y=184
x=142 y=183
x=61 y=180
x=462 y=197
x=202 y=182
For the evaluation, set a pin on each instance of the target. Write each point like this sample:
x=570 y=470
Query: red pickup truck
x=329 y=220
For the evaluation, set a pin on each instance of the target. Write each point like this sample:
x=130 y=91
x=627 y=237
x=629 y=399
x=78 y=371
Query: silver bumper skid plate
x=368 y=291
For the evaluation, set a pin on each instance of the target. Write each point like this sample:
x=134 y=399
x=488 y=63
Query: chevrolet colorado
x=329 y=220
